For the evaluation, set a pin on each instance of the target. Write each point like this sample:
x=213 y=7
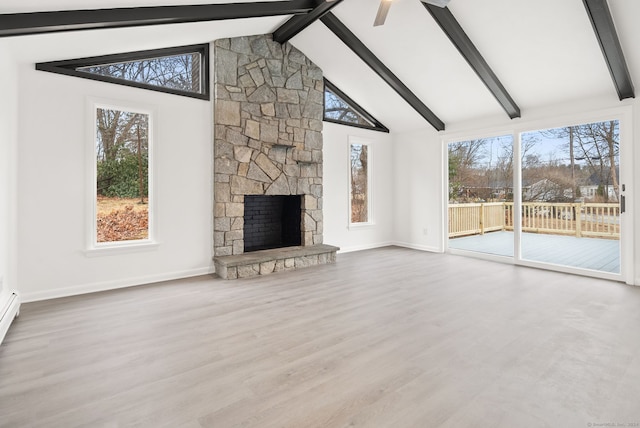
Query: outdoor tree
x=122 y=153
x=176 y=72
x=337 y=109
x=596 y=145
x=464 y=161
x=359 y=183
x=122 y=144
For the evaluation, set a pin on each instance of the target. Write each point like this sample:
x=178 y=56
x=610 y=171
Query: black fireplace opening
x=272 y=222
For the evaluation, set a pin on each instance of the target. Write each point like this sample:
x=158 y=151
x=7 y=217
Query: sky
x=545 y=147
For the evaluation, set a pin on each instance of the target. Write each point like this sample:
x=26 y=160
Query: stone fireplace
x=268 y=143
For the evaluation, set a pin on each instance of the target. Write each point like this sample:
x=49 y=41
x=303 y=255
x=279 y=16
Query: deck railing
x=577 y=219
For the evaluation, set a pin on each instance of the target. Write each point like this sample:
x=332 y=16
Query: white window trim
x=370 y=184
x=624 y=114
x=94 y=248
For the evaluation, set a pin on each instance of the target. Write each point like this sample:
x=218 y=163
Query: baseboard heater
x=10 y=310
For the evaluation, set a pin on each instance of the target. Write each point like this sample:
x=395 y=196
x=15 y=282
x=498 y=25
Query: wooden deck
x=586 y=253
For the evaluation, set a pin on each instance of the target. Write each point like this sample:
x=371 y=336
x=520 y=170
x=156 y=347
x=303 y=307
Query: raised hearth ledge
x=264 y=262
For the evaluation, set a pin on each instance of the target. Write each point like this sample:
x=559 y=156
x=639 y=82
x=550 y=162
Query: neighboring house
x=545 y=190
x=590 y=191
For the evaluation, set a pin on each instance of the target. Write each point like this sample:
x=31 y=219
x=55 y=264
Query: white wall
x=8 y=105
x=336 y=189
x=54 y=205
x=418 y=190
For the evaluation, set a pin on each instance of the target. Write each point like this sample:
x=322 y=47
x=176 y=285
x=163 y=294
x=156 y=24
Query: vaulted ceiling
x=543 y=52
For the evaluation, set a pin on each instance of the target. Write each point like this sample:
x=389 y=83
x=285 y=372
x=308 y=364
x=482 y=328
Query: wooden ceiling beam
x=350 y=39
x=603 y=26
x=18 y=24
x=299 y=22
x=455 y=33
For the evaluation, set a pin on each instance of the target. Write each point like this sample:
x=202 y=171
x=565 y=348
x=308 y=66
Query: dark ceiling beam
x=18 y=24
x=299 y=22
x=605 y=30
x=465 y=46
x=340 y=30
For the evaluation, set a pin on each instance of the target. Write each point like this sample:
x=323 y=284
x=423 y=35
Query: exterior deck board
x=585 y=253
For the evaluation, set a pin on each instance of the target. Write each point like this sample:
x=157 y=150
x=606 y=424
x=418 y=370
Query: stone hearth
x=268 y=141
x=264 y=262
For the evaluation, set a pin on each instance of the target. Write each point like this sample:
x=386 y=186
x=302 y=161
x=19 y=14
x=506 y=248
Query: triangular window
x=181 y=70
x=339 y=108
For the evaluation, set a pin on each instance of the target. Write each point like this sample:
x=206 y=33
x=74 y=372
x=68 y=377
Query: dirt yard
x=122 y=219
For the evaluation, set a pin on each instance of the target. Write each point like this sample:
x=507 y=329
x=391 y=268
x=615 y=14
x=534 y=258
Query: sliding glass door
x=548 y=198
x=571 y=196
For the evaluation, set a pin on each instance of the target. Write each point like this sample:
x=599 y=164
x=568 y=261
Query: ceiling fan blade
x=439 y=3
x=383 y=10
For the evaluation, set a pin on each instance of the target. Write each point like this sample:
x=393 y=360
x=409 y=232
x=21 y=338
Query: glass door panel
x=480 y=209
x=570 y=196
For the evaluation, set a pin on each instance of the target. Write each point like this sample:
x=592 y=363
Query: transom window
x=179 y=70
x=339 y=108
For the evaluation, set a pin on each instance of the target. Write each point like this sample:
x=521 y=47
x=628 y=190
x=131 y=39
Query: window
x=339 y=108
x=359 y=195
x=180 y=70
x=122 y=168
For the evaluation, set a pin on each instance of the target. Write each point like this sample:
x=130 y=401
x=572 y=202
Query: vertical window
x=360 y=201
x=122 y=148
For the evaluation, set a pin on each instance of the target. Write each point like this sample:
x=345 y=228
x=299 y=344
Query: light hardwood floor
x=384 y=338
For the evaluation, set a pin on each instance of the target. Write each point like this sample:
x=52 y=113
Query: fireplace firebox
x=271 y=222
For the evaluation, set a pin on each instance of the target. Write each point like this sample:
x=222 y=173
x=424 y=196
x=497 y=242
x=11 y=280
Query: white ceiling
x=544 y=51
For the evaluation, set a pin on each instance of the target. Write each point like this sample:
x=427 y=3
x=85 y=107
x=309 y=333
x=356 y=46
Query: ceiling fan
x=386 y=4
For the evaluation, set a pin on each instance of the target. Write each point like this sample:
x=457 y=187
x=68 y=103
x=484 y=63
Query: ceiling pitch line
x=605 y=30
x=297 y=23
x=470 y=53
x=19 y=24
x=349 y=39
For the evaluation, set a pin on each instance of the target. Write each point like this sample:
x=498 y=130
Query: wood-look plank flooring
x=384 y=338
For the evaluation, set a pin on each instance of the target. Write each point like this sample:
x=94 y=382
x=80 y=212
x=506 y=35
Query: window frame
x=370 y=185
x=69 y=68
x=376 y=125
x=548 y=120
x=105 y=248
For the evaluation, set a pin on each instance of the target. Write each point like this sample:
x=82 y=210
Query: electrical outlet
x=425 y=231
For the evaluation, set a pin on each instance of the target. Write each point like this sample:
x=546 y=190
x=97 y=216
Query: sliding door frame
x=624 y=115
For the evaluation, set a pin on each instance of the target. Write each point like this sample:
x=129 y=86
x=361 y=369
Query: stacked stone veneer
x=268 y=134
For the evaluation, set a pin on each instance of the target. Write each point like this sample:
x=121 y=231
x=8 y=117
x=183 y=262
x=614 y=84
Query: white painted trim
x=124 y=247
x=9 y=313
x=481 y=256
x=418 y=247
x=623 y=113
x=361 y=226
x=354 y=248
x=113 y=285
x=93 y=103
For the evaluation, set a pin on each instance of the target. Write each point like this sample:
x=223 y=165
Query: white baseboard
x=8 y=313
x=112 y=285
x=418 y=247
x=364 y=247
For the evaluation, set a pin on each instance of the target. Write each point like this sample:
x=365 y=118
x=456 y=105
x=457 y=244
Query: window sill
x=121 y=248
x=359 y=226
